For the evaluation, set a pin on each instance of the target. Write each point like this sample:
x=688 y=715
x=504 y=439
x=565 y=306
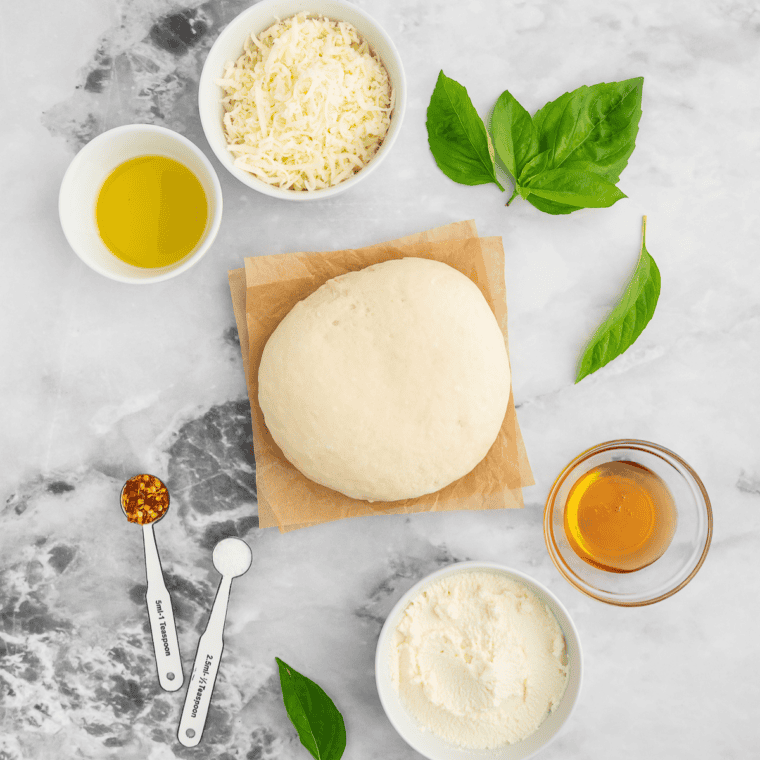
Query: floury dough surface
x=413 y=352
x=479 y=660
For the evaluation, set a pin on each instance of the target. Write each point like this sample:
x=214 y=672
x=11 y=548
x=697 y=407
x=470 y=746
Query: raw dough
x=387 y=383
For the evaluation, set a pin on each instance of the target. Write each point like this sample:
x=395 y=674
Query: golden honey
x=151 y=211
x=620 y=517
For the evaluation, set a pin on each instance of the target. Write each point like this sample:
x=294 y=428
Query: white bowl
x=229 y=47
x=89 y=170
x=433 y=747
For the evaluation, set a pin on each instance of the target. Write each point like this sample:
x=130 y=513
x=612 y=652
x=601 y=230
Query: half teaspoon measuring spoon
x=232 y=557
x=145 y=500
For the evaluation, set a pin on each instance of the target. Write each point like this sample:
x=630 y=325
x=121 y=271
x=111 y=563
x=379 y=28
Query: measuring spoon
x=232 y=557
x=135 y=499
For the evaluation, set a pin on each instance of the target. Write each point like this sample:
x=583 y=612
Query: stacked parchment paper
x=265 y=291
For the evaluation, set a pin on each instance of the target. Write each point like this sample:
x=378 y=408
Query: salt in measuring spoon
x=232 y=557
x=145 y=499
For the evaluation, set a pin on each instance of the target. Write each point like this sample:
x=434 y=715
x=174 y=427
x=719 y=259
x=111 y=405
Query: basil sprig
x=567 y=157
x=317 y=720
x=628 y=319
x=574 y=148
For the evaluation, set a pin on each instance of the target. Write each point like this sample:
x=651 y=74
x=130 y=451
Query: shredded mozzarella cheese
x=307 y=105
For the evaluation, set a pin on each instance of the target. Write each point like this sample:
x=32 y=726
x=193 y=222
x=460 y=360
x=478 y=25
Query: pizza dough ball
x=387 y=383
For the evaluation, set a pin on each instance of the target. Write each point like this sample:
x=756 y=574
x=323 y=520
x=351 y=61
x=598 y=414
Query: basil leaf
x=457 y=136
x=628 y=319
x=514 y=136
x=536 y=165
x=551 y=207
x=316 y=718
x=595 y=126
x=574 y=187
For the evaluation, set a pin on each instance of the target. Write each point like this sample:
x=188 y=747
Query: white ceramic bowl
x=86 y=175
x=435 y=748
x=229 y=47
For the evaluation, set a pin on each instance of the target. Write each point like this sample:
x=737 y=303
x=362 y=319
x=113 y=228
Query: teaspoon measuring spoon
x=136 y=497
x=232 y=557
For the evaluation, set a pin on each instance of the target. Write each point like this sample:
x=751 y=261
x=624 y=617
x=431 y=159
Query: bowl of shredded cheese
x=300 y=99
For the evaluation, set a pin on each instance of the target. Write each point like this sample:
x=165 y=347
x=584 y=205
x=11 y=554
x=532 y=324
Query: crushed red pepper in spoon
x=144 y=499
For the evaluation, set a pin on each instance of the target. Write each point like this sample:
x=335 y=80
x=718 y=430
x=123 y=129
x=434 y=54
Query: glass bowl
x=680 y=561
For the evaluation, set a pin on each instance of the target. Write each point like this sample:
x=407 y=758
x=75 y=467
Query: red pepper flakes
x=144 y=499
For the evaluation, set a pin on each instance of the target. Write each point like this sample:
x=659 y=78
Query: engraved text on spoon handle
x=161 y=616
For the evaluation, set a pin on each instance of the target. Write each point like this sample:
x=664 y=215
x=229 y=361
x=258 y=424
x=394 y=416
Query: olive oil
x=151 y=211
x=620 y=517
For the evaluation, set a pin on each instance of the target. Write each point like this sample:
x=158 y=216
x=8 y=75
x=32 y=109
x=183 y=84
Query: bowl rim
x=464 y=566
x=212 y=125
x=105 y=137
x=556 y=555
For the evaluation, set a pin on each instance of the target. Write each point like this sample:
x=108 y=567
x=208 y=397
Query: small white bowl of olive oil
x=140 y=204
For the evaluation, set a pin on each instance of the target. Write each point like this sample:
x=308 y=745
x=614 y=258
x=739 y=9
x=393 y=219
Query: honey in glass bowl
x=620 y=517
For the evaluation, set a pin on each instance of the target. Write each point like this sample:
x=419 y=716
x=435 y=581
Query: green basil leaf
x=551 y=207
x=573 y=187
x=316 y=718
x=594 y=126
x=514 y=136
x=539 y=163
x=533 y=168
x=628 y=319
x=457 y=136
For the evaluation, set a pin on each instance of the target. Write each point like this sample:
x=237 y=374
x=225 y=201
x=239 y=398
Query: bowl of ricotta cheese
x=301 y=99
x=478 y=660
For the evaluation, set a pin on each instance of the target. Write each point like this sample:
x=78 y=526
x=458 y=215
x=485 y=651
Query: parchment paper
x=265 y=290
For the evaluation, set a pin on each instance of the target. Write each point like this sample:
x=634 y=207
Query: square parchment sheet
x=265 y=290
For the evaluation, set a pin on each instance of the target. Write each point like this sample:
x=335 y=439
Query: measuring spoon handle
x=205 y=669
x=161 y=616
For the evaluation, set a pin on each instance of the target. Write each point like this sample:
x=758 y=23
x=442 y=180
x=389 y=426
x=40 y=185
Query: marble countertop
x=101 y=380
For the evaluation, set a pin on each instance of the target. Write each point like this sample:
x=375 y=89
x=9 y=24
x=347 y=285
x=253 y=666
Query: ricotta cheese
x=307 y=105
x=479 y=660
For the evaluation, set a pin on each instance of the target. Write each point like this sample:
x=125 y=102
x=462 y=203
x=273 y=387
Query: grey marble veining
x=102 y=380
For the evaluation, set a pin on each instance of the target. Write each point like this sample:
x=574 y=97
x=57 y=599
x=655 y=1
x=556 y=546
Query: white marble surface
x=101 y=380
